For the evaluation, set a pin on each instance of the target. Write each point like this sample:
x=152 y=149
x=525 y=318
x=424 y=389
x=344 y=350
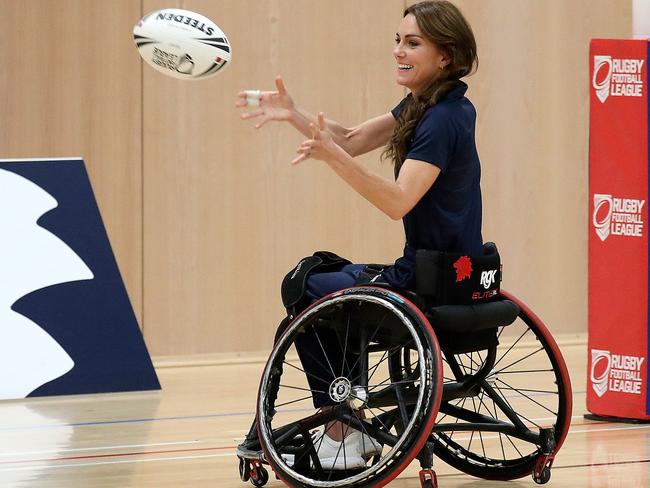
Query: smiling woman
x=429 y=136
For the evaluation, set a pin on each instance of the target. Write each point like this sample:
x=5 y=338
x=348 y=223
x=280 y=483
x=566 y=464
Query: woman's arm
x=279 y=106
x=369 y=135
x=394 y=198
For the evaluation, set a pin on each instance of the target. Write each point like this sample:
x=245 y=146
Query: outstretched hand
x=273 y=105
x=321 y=146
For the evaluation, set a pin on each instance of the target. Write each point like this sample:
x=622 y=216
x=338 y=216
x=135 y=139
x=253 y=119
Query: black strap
x=294 y=283
x=371 y=274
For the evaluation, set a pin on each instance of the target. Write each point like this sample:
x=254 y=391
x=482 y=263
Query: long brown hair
x=443 y=24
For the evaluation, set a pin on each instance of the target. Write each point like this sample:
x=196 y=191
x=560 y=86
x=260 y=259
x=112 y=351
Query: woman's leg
x=318 y=350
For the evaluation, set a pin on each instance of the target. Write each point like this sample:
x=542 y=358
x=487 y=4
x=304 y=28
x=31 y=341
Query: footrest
x=251 y=455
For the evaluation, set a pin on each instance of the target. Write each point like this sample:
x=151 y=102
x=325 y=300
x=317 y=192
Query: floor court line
x=99 y=448
x=204 y=456
x=127 y=421
x=119 y=454
x=122 y=461
x=571 y=431
x=157 y=419
x=176 y=451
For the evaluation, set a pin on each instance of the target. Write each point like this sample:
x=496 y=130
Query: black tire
x=529 y=373
x=244 y=469
x=262 y=476
x=399 y=408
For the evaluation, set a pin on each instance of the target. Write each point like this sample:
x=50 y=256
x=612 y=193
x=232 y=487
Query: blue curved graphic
x=66 y=323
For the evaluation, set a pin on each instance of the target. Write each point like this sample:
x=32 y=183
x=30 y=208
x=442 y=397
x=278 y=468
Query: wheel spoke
x=305 y=372
x=374 y=369
x=324 y=352
x=376 y=366
x=344 y=347
x=549 y=392
x=496 y=416
x=318 y=441
x=294 y=401
x=368 y=345
x=342 y=445
x=378 y=418
x=462 y=405
x=501 y=329
x=519 y=360
x=319 y=363
x=301 y=389
x=510 y=348
x=383 y=383
x=521 y=416
x=527 y=371
x=513 y=445
x=529 y=398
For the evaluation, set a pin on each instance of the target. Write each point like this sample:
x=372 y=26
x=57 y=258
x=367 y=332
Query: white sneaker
x=356 y=450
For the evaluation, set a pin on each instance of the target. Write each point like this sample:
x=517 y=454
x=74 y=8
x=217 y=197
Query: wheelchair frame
x=410 y=430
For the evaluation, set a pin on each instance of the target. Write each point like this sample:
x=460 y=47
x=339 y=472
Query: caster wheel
x=428 y=479
x=259 y=476
x=244 y=469
x=543 y=477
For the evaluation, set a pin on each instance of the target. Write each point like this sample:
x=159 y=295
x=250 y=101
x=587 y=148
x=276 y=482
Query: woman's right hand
x=274 y=105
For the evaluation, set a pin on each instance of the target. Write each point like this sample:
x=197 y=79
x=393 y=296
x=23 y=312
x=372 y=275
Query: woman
x=430 y=138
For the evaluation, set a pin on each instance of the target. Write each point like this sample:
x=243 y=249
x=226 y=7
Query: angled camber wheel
x=353 y=334
x=527 y=390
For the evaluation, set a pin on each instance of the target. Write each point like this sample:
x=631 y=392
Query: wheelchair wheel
x=530 y=379
x=354 y=333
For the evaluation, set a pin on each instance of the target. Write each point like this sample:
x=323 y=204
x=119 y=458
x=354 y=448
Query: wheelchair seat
x=465 y=318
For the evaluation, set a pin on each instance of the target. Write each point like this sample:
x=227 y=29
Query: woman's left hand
x=321 y=146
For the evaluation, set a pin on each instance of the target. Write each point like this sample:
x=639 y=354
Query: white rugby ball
x=182 y=44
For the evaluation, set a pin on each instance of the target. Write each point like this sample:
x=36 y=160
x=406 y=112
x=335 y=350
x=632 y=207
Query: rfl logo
x=600 y=365
x=617 y=77
x=602 y=64
x=617 y=216
x=615 y=373
x=602 y=215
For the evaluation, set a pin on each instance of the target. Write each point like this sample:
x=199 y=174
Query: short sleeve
x=400 y=106
x=434 y=139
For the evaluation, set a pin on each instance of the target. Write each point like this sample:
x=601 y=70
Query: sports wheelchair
x=483 y=387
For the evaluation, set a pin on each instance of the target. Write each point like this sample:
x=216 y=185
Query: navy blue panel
x=93 y=319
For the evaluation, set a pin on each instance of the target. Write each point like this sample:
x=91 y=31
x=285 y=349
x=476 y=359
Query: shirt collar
x=457 y=92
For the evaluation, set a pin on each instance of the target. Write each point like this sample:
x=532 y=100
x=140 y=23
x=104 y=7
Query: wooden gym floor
x=185 y=436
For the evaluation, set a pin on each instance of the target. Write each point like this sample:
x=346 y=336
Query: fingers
x=321 y=120
x=253 y=97
x=250 y=115
x=304 y=151
x=299 y=159
x=279 y=83
x=262 y=122
x=241 y=100
x=306 y=146
x=316 y=130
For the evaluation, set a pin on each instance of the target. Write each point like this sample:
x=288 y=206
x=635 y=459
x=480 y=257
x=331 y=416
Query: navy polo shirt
x=448 y=216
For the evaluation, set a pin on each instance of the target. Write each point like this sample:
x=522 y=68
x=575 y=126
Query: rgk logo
x=617 y=77
x=488 y=278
